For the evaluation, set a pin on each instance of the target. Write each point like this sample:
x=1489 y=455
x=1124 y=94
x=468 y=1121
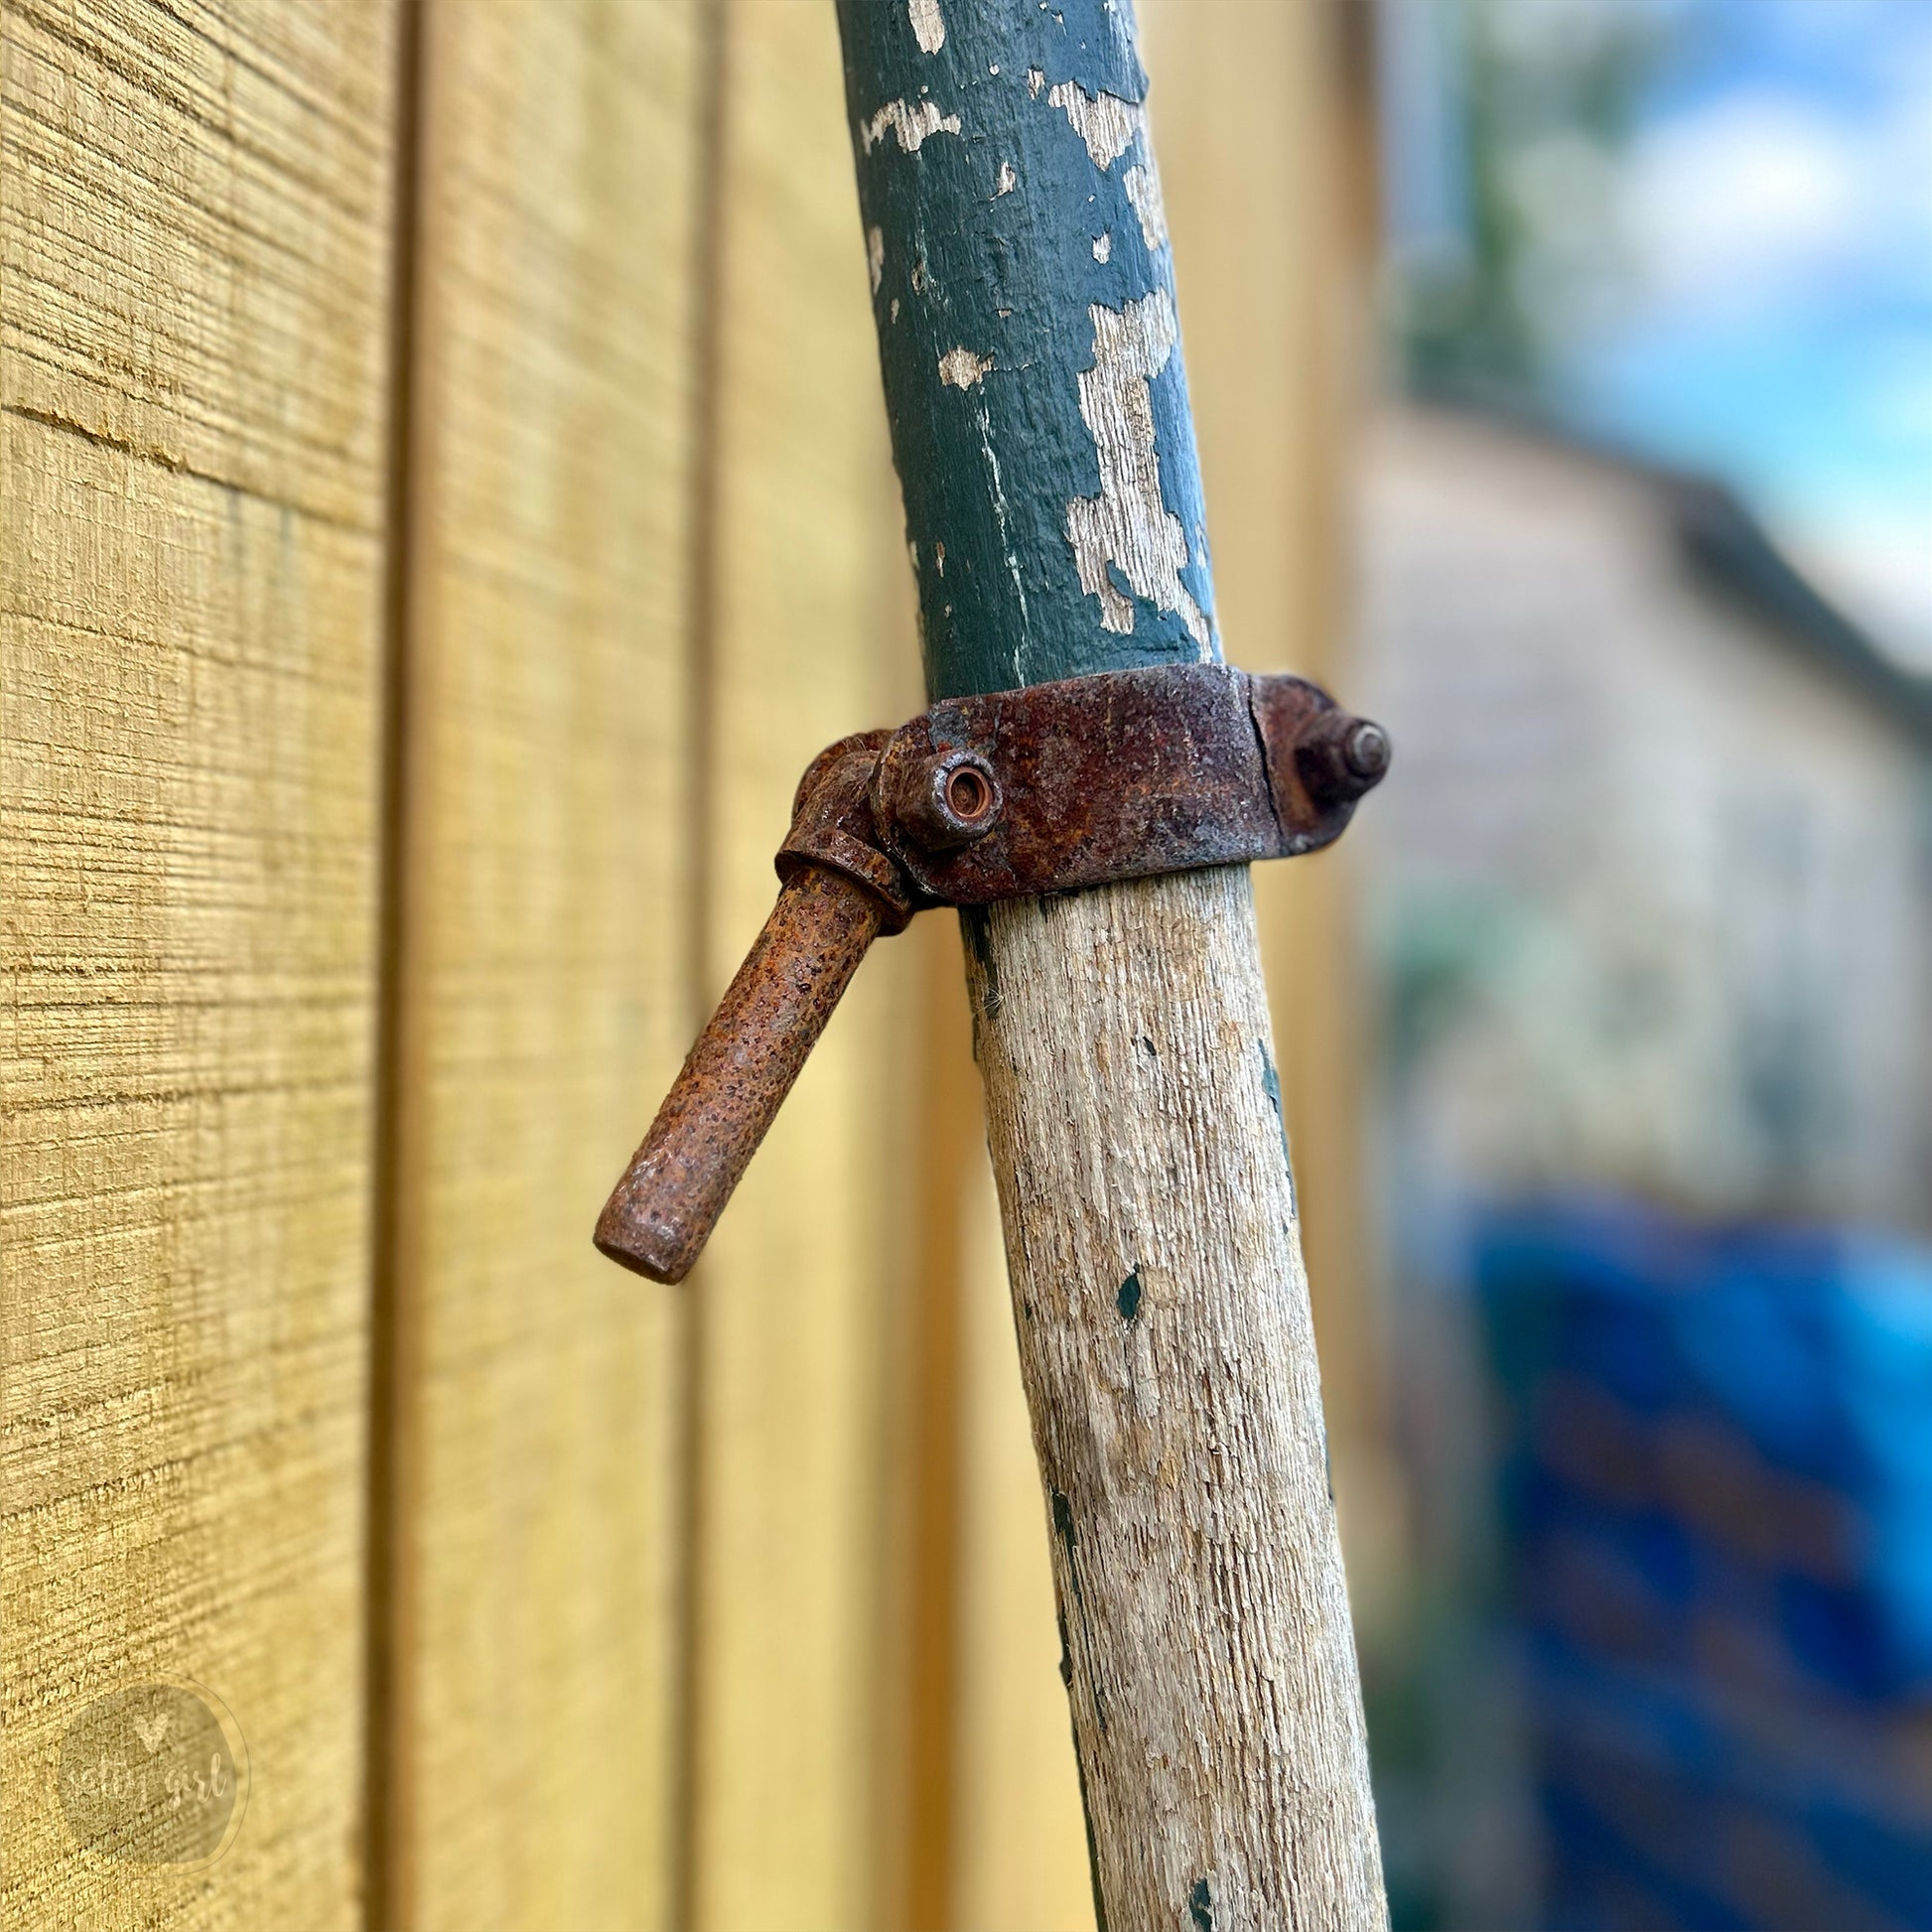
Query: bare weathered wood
x=1242 y=113
x=1164 y=1339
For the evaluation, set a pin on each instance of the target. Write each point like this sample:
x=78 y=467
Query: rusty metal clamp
x=1121 y=776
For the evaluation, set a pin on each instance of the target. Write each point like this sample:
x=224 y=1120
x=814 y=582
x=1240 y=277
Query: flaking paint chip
x=928 y=29
x=912 y=124
x=960 y=368
x=1143 y=187
x=1107 y=124
x=1128 y=527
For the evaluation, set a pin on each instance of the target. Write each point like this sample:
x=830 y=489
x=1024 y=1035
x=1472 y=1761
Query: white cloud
x=1745 y=201
x=1761 y=193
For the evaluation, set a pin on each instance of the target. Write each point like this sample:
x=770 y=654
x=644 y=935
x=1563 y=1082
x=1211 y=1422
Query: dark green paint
x=975 y=928
x=1093 y=1847
x=1079 y=1762
x=1063 y=1527
x=1128 y=1301
x=1200 y=1907
x=989 y=469
x=1270 y=1083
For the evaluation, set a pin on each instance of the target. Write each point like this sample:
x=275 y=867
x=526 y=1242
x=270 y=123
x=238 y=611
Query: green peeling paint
x=1200 y=1906
x=1270 y=1085
x=1012 y=232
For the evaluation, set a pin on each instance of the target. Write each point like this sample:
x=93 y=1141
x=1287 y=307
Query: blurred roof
x=1726 y=546
x=1732 y=554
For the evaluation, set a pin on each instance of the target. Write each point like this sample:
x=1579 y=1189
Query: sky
x=1771 y=214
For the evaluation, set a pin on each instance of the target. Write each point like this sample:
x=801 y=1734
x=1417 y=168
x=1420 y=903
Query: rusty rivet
x=946 y=800
x=969 y=793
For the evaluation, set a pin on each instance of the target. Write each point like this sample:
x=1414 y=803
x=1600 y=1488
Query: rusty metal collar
x=1122 y=775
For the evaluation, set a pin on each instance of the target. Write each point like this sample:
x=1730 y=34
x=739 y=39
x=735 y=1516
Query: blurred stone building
x=1651 y=886
x=1649 y=897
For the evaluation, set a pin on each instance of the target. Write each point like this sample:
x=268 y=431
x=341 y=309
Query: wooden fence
x=446 y=501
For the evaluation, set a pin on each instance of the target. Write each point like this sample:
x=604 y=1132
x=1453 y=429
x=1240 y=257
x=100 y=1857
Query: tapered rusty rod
x=737 y=1076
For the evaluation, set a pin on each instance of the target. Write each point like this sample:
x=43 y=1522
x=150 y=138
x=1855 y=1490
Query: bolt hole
x=968 y=793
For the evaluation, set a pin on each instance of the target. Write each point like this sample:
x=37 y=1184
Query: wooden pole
x=1022 y=289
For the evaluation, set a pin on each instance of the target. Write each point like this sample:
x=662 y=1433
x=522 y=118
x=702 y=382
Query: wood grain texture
x=1169 y=1359
x=795 y=1293
x=545 y=978
x=194 y=212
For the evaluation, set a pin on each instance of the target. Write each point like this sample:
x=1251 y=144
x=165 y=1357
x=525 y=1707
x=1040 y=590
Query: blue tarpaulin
x=1716 y=1480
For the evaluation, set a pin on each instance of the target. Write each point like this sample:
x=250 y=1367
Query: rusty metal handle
x=661 y=1213
x=1121 y=774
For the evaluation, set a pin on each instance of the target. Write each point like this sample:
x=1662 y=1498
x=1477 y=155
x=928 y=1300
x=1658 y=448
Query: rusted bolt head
x=946 y=800
x=1365 y=751
x=1342 y=757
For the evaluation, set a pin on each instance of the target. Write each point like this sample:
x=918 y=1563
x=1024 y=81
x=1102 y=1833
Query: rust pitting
x=1122 y=775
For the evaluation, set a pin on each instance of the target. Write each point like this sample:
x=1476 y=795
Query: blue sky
x=1780 y=212
x=1773 y=321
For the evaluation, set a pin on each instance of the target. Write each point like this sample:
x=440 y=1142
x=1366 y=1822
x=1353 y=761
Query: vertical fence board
x=194 y=211
x=545 y=992
x=809 y=645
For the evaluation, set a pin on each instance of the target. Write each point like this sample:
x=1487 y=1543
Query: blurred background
x=448 y=502
x=1642 y=527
